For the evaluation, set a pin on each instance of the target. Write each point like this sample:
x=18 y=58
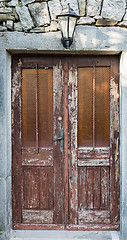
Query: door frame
x=54 y=226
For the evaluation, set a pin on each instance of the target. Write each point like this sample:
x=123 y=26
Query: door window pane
x=37 y=107
x=85 y=103
x=102 y=107
x=45 y=107
x=29 y=107
x=93 y=105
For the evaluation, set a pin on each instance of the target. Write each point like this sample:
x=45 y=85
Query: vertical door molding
x=115 y=141
x=58 y=154
x=73 y=169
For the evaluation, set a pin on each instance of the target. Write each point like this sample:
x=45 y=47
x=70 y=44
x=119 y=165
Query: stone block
x=38 y=30
x=26 y=2
x=114 y=9
x=93 y=7
x=10 y=24
x=40 y=14
x=82 y=7
x=13 y=3
x=5 y=17
x=25 y=18
x=18 y=27
x=73 y=5
x=55 y=8
x=5 y=10
x=106 y=22
x=85 y=21
x=53 y=26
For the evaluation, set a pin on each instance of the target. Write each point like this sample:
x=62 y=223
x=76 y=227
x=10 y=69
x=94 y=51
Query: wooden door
x=94 y=143
x=37 y=123
x=70 y=183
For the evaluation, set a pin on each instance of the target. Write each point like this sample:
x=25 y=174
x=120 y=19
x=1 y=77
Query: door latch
x=61 y=139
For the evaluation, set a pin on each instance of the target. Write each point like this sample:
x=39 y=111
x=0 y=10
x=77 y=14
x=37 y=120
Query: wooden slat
x=105 y=188
x=88 y=153
x=30 y=187
x=93 y=227
x=93 y=162
x=89 y=61
x=37 y=217
x=82 y=188
x=90 y=187
x=97 y=192
x=43 y=158
x=73 y=169
x=46 y=188
x=93 y=216
x=39 y=226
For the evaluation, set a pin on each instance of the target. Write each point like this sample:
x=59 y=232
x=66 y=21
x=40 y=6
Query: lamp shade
x=67 y=20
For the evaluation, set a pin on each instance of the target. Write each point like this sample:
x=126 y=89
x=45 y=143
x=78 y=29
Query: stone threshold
x=63 y=235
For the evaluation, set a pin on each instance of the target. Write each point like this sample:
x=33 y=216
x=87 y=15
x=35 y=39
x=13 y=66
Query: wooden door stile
x=65 y=63
x=73 y=113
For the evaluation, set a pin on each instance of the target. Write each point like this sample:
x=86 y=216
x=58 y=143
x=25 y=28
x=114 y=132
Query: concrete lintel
x=86 y=38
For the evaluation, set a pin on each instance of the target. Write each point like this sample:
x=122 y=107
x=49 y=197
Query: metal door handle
x=61 y=139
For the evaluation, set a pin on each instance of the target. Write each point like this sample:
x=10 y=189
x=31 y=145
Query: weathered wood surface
x=43 y=158
x=37 y=217
x=115 y=141
x=77 y=188
x=58 y=155
x=97 y=153
x=96 y=216
x=93 y=162
x=16 y=140
x=73 y=170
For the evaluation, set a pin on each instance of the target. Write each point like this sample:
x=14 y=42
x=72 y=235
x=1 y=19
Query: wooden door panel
x=93 y=155
x=40 y=165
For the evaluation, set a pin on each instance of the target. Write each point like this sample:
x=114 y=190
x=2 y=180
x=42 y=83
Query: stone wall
x=40 y=15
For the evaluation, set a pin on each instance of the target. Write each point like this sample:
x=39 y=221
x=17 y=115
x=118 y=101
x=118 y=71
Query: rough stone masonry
x=39 y=16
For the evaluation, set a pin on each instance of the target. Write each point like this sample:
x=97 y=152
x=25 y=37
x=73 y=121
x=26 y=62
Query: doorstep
x=63 y=235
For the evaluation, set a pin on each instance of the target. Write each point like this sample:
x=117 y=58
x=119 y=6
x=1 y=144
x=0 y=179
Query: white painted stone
x=5 y=10
x=40 y=14
x=82 y=7
x=38 y=30
x=53 y=26
x=85 y=21
x=18 y=27
x=10 y=24
x=25 y=18
x=55 y=8
x=114 y=9
x=98 y=17
x=93 y=7
x=13 y=3
x=73 y=5
x=26 y=2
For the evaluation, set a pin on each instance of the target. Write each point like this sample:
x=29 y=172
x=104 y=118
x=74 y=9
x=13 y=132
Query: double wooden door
x=65 y=142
